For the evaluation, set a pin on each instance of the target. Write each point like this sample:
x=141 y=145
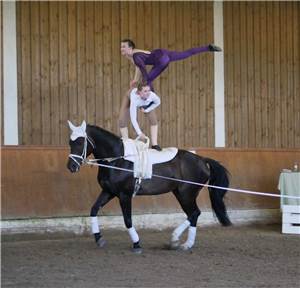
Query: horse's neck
x=107 y=144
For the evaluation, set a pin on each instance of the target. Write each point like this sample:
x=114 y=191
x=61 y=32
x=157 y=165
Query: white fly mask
x=79 y=131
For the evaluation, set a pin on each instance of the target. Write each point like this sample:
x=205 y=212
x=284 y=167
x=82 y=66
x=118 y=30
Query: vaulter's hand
x=142 y=137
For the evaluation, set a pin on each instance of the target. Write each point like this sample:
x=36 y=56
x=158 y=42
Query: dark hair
x=141 y=84
x=130 y=43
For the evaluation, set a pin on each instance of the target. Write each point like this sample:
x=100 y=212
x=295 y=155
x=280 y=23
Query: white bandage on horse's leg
x=179 y=230
x=124 y=132
x=133 y=235
x=191 y=238
x=95 y=225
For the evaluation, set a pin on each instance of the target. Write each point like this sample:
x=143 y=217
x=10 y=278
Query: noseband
x=82 y=157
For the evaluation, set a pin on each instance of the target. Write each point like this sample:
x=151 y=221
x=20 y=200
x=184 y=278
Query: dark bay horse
x=88 y=139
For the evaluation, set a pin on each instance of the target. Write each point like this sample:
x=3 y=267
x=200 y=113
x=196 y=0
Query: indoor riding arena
x=226 y=116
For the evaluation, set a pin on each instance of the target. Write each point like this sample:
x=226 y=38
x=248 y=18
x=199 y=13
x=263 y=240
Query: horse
x=120 y=182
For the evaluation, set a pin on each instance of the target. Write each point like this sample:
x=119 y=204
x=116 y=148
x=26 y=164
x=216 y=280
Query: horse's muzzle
x=73 y=166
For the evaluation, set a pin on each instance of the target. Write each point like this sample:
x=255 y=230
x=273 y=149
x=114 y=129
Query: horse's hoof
x=184 y=247
x=137 y=250
x=174 y=245
x=101 y=243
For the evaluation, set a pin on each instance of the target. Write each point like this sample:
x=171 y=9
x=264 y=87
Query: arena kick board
x=291 y=219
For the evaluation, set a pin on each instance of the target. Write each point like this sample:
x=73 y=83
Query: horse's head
x=81 y=146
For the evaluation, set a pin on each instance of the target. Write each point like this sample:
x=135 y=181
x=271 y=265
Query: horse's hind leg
x=102 y=199
x=187 y=201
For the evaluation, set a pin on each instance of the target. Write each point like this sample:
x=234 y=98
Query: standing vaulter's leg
x=102 y=199
x=125 y=203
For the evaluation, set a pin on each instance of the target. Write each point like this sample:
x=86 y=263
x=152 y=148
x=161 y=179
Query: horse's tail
x=218 y=177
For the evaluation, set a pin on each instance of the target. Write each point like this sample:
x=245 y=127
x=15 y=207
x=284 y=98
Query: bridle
x=82 y=157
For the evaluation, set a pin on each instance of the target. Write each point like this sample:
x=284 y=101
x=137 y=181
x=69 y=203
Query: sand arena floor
x=247 y=256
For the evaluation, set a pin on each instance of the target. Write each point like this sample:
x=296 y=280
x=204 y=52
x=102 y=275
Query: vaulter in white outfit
x=144 y=99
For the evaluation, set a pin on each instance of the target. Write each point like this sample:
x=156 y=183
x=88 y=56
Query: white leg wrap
x=179 y=230
x=191 y=238
x=133 y=235
x=95 y=225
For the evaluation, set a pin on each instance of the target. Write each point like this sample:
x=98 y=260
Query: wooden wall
x=45 y=187
x=262 y=73
x=70 y=67
x=1 y=67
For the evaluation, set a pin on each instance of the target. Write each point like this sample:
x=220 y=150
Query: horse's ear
x=72 y=127
x=83 y=125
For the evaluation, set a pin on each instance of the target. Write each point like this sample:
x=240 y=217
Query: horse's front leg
x=102 y=199
x=125 y=203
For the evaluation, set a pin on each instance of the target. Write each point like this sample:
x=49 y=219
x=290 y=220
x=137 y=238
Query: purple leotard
x=160 y=59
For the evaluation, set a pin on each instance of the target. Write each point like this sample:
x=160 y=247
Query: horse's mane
x=103 y=131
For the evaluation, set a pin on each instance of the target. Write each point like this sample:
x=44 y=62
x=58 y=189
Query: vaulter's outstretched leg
x=170 y=56
x=102 y=199
x=175 y=56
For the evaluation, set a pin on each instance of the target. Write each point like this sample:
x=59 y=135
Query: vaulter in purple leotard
x=158 y=58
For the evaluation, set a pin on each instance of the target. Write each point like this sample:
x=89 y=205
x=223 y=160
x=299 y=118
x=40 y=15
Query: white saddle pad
x=130 y=153
x=144 y=158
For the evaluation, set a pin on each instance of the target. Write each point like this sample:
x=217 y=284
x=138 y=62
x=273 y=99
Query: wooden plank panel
x=19 y=73
x=244 y=116
x=63 y=73
x=107 y=65
x=72 y=62
x=125 y=64
x=195 y=76
x=165 y=75
x=116 y=87
x=283 y=73
x=148 y=23
x=257 y=75
x=45 y=73
x=99 y=120
x=81 y=66
x=180 y=93
x=236 y=74
x=140 y=39
x=250 y=73
x=171 y=77
x=290 y=80
x=202 y=93
x=132 y=29
x=187 y=73
x=277 y=74
x=90 y=60
x=270 y=77
x=229 y=54
x=296 y=61
x=263 y=66
x=210 y=76
x=54 y=74
x=36 y=79
x=26 y=73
